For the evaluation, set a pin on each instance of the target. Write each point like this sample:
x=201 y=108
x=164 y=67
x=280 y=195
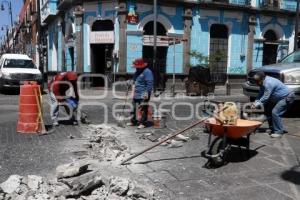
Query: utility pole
x=296 y=27
x=156 y=71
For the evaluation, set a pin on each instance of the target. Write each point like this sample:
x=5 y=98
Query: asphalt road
x=33 y=154
x=28 y=154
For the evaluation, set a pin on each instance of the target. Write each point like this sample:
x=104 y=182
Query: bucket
x=159 y=120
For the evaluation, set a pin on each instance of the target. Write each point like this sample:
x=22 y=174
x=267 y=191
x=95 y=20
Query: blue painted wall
x=199 y=36
x=135 y=43
x=237 y=41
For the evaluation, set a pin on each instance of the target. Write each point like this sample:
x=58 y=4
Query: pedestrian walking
x=58 y=87
x=277 y=98
x=141 y=93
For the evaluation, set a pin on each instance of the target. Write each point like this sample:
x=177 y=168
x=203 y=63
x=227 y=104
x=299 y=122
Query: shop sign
x=102 y=37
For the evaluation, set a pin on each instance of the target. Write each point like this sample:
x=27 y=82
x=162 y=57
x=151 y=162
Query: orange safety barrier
x=30 y=109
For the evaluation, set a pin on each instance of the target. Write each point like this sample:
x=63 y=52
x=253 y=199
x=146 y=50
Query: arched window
x=103 y=25
x=218 y=51
x=270 y=48
x=149 y=29
x=162 y=51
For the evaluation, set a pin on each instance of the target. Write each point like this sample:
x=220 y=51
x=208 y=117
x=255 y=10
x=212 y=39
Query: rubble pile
x=74 y=181
x=104 y=145
x=82 y=179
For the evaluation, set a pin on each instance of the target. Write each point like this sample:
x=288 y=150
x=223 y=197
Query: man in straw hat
x=277 y=98
x=142 y=87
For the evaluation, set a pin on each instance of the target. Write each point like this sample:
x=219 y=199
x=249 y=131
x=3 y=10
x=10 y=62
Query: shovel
x=121 y=118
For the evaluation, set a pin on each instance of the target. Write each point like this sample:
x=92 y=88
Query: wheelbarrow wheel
x=218 y=151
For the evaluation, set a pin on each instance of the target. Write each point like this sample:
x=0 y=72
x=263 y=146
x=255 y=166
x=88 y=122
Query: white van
x=17 y=68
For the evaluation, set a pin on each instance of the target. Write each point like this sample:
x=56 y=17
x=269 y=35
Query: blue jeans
x=275 y=118
x=54 y=108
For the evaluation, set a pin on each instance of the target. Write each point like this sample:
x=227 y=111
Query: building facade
x=26 y=31
x=104 y=37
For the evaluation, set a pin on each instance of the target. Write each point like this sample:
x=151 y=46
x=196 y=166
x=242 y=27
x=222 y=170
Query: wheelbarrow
x=226 y=137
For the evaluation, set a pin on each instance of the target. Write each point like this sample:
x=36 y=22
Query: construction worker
x=142 y=88
x=58 y=86
x=277 y=98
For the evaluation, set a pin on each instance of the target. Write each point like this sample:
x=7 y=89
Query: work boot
x=269 y=131
x=141 y=126
x=276 y=135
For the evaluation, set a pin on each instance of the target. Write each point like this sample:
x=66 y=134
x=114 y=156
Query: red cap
x=139 y=63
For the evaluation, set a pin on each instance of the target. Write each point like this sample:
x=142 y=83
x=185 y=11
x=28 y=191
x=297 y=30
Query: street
x=271 y=172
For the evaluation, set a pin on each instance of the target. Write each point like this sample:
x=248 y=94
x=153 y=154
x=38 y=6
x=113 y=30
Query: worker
x=141 y=92
x=277 y=98
x=58 y=87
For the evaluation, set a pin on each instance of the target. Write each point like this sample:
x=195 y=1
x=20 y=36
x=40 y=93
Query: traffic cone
x=30 y=109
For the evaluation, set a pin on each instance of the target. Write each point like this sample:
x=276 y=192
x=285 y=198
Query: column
x=187 y=22
x=122 y=13
x=79 y=38
x=251 y=32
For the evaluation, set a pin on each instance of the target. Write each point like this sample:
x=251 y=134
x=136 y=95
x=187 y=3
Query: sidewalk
x=180 y=173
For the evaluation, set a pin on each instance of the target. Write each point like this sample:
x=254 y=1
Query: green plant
x=207 y=61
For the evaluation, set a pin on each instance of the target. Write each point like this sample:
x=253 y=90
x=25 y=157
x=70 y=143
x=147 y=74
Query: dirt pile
x=82 y=179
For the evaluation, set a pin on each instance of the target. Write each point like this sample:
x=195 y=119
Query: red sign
x=132 y=19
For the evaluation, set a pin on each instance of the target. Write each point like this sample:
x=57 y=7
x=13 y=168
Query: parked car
x=287 y=70
x=17 y=68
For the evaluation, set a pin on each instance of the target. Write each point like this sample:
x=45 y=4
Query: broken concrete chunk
x=34 y=182
x=11 y=184
x=70 y=170
x=85 y=187
x=119 y=186
x=182 y=138
x=175 y=144
x=138 y=192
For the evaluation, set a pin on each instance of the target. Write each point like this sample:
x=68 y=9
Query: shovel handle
x=168 y=138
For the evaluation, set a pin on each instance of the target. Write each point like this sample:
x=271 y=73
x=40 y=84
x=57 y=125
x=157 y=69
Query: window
x=18 y=63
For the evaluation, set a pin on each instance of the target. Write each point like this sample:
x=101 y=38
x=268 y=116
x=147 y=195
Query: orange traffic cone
x=30 y=109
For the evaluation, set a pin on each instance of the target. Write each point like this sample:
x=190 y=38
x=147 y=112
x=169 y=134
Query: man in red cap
x=58 y=86
x=142 y=88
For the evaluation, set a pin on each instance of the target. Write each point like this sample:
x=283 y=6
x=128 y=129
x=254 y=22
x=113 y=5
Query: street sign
x=102 y=37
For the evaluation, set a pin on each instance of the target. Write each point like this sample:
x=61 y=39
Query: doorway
x=270 y=48
x=161 y=56
x=218 y=51
x=101 y=53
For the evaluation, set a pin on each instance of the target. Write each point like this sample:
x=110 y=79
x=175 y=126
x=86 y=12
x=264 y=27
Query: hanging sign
x=102 y=37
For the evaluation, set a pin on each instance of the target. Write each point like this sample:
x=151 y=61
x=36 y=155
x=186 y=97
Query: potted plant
x=201 y=80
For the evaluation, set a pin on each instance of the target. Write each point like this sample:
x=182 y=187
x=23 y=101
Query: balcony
x=48 y=11
x=288 y=5
x=229 y=2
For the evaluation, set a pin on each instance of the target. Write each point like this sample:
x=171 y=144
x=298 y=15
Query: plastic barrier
x=30 y=112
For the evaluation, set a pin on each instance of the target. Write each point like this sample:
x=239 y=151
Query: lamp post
x=156 y=71
x=10 y=13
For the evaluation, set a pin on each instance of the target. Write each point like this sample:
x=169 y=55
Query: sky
x=4 y=15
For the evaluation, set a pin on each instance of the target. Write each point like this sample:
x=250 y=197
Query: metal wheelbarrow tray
x=226 y=136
